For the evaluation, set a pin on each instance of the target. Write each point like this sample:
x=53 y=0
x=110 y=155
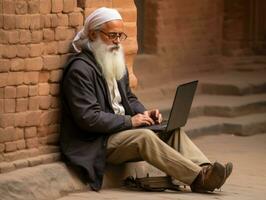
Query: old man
x=101 y=116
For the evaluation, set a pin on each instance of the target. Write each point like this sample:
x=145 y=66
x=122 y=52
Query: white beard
x=110 y=58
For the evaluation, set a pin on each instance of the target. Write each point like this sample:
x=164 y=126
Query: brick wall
x=185 y=36
x=35 y=37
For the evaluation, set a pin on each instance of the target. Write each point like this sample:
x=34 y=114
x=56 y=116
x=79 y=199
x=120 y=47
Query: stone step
x=217 y=105
x=243 y=125
x=33 y=183
x=235 y=83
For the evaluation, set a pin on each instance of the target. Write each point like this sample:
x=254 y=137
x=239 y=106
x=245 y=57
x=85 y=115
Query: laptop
x=180 y=109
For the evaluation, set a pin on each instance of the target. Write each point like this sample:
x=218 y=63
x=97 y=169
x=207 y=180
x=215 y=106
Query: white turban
x=98 y=17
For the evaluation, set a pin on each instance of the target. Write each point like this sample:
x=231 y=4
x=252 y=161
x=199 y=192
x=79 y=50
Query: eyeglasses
x=114 y=35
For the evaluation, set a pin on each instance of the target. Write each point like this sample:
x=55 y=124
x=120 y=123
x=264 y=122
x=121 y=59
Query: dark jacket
x=88 y=117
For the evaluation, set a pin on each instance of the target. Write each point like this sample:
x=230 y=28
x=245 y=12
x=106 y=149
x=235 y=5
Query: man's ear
x=92 y=35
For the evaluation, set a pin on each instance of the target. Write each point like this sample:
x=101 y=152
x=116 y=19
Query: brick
x=31 y=78
x=36 y=36
x=33 y=64
x=32 y=143
x=9 y=51
x=33 y=118
x=47 y=20
x=57 y=6
x=4 y=65
x=10 y=92
x=75 y=19
x=21 y=7
x=22 y=21
x=34 y=6
x=55 y=76
x=44 y=76
x=23 y=162
x=51 y=62
x=45 y=6
x=3 y=79
x=17 y=64
x=97 y=3
x=44 y=89
x=47 y=158
x=7 y=119
x=68 y=6
x=55 y=102
x=44 y=102
x=50 y=48
x=15 y=78
x=23 y=51
x=36 y=49
x=34 y=103
x=13 y=37
x=62 y=19
x=30 y=132
x=7 y=135
x=48 y=35
x=9 y=105
x=60 y=33
x=6 y=167
x=64 y=58
x=8 y=6
x=1 y=93
x=19 y=133
x=4 y=37
x=22 y=91
x=10 y=146
x=54 y=89
x=53 y=116
x=42 y=131
x=20 y=119
x=54 y=20
x=33 y=90
x=1 y=20
x=21 y=104
x=35 y=21
x=1 y=105
x=2 y=148
x=24 y=36
x=64 y=46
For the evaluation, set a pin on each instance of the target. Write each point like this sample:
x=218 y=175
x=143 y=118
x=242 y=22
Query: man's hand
x=141 y=120
x=155 y=115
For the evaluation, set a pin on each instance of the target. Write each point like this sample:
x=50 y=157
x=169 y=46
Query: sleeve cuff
x=128 y=121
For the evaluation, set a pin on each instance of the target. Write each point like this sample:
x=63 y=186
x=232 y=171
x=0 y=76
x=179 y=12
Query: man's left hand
x=155 y=115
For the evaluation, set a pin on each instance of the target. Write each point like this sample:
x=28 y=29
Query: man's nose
x=117 y=40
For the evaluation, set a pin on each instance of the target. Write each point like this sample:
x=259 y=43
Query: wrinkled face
x=111 y=33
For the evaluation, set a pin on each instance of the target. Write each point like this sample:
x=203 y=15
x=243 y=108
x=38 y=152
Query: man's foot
x=211 y=177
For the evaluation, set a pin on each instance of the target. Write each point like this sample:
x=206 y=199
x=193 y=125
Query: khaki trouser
x=144 y=144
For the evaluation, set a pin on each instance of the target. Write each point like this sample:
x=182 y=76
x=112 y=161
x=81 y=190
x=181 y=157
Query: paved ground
x=248 y=181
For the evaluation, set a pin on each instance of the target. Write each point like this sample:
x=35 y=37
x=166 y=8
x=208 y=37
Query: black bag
x=158 y=184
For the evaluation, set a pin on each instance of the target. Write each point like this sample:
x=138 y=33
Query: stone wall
x=35 y=38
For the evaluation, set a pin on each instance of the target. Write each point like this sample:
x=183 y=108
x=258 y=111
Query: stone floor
x=248 y=181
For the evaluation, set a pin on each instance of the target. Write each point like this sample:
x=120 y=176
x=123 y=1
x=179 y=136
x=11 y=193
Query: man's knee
x=146 y=135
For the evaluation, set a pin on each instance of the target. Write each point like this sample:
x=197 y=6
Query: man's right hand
x=141 y=120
